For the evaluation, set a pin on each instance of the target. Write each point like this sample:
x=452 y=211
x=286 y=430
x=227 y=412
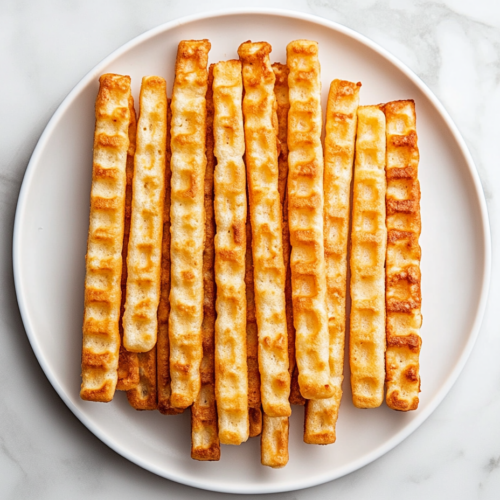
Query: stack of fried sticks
x=218 y=248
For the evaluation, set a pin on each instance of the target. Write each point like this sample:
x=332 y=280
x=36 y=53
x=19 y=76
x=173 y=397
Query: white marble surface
x=46 y=47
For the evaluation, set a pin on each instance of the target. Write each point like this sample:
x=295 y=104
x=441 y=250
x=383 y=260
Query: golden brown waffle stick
x=274 y=440
x=204 y=431
x=230 y=207
x=101 y=336
x=368 y=246
x=162 y=345
x=403 y=294
x=259 y=109
x=140 y=325
x=128 y=363
x=144 y=282
x=305 y=212
x=187 y=219
x=341 y=119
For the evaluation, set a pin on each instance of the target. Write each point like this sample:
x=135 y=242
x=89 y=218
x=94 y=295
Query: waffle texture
x=259 y=109
x=140 y=323
x=164 y=389
x=187 y=218
x=101 y=336
x=403 y=293
x=128 y=363
x=368 y=246
x=305 y=212
x=230 y=203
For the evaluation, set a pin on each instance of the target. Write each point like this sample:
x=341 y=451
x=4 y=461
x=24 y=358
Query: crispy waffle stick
x=403 y=294
x=274 y=441
x=305 y=212
x=162 y=344
x=341 y=119
x=187 y=216
x=204 y=431
x=140 y=323
x=144 y=395
x=101 y=336
x=128 y=363
x=368 y=245
x=254 y=402
x=230 y=206
x=259 y=109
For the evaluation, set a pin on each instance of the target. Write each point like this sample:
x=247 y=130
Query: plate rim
x=485 y=275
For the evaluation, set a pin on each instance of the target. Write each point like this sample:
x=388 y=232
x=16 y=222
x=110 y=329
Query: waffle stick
x=187 y=220
x=128 y=363
x=144 y=283
x=162 y=344
x=403 y=294
x=230 y=206
x=254 y=402
x=341 y=119
x=305 y=211
x=204 y=430
x=101 y=336
x=259 y=109
x=368 y=246
x=274 y=440
x=140 y=323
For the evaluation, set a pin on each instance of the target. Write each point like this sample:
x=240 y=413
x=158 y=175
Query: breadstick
x=403 y=295
x=162 y=344
x=274 y=440
x=187 y=220
x=259 y=109
x=368 y=244
x=140 y=323
x=341 y=119
x=101 y=336
x=204 y=431
x=305 y=211
x=128 y=363
x=230 y=204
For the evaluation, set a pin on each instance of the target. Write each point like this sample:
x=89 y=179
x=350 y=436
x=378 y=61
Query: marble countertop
x=47 y=47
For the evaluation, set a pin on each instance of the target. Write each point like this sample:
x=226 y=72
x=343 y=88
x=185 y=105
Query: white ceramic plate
x=51 y=233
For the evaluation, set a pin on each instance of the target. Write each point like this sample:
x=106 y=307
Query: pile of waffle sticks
x=219 y=239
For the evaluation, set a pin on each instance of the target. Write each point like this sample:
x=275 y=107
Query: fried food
x=305 y=212
x=101 y=336
x=230 y=204
x=254 y=401
x=128 y=363
x=368 y=245
x=259 y=109
x=204 y=430
x=187 y=216
x=140 y=323
x=274 y=442
x=144 y=396
x=275 y=454
x=255 y=418
x=403 y=294
x=341 y=119
x=162 y=344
